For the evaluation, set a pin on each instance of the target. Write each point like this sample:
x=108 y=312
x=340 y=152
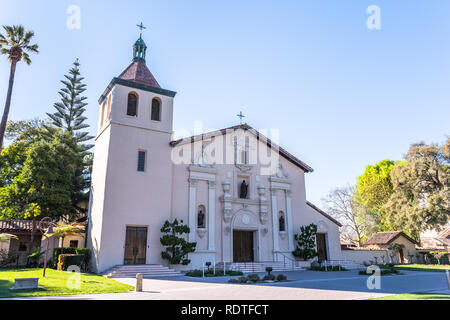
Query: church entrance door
x=243 y=246
x=135 y=246
x=321 y=246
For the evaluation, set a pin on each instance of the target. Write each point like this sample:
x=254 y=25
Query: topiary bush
x=67 y=260
x=176 y=247
x=306 y=242
x=84 y=252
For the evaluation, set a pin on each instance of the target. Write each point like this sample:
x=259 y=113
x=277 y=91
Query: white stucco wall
x=122 y=196
x=362 y=256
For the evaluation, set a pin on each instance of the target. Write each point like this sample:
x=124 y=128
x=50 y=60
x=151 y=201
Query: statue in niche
x=282 y=223
x=243 y=190
x=201 y=218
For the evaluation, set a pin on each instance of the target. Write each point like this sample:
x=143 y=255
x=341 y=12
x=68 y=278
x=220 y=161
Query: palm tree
x=15 y=44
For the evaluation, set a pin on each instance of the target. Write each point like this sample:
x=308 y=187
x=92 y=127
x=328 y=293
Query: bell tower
x=132 y=170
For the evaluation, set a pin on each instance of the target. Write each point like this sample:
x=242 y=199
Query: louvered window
x=141 y=161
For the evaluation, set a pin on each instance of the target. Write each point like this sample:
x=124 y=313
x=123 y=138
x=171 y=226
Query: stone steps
x=129 y=271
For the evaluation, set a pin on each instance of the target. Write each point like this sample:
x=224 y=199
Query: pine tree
x=69 y=112
x=69 y=117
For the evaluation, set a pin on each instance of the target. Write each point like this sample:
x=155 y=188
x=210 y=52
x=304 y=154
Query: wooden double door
x=135 y=246
x=243 y=246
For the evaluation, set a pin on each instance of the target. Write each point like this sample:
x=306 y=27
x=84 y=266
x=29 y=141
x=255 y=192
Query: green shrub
x=384 y=272
x=67 y=260
x=233 y=281
x=281 y=277
x=85 y=252
x=270 y=277
x=210 y=273
x=306 y=242
x=328 y=268
x=253 y=277
x=34 y=258
x=194 y=273
x=243 y=280
x=7 y=257
x=176 y=248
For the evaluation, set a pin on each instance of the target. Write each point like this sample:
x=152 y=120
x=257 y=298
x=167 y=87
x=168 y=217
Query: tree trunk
x=33 y=230
x=7 y=104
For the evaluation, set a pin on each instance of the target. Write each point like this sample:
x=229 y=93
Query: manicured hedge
x=328 y=268
x=84 y=252
x=210 y=273
x=432 y=260
x=254 y=278
x=67 y=260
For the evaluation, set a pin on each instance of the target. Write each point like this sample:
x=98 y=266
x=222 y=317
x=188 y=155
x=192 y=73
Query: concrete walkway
x=305 y=285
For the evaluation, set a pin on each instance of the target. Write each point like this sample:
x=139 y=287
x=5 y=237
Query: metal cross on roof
x=240 y=116
x=141 y=27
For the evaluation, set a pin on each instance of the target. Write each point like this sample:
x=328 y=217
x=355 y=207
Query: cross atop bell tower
x=139 y=47
x=141 y=27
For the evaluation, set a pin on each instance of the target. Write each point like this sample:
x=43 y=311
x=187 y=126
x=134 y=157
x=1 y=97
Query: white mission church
x=241 y=194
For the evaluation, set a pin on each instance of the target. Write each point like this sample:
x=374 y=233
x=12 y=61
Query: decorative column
x=227 y=201
x=276 y=246
x=212 y=215
x=192 y=208
x=290 y=223
x=263 y=215
x=227 y=215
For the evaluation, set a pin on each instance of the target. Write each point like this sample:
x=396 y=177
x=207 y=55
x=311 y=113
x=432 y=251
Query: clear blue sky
x=342 y=95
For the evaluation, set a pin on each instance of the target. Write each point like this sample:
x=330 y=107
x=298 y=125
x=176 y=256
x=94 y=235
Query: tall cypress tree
x=69 y=112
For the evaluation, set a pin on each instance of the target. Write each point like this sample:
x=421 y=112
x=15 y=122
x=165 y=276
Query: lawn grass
x=423 y=267
x=55 y=283
x=415 y=296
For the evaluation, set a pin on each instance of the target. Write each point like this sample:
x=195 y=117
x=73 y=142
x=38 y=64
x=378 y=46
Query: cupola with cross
x=139 y=48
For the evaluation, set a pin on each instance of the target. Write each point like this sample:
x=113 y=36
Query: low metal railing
x=292 y=262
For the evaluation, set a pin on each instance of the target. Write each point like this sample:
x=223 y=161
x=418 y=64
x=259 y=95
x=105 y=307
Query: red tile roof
x=139 y=73
x=385 y=238
x=25 y=225
x=17 y=225
x=326 y=215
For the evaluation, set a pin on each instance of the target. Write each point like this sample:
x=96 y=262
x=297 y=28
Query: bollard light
x=269 y=270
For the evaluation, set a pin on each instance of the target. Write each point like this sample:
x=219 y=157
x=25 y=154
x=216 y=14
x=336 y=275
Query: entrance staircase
x=250 y=267
x=148 y=271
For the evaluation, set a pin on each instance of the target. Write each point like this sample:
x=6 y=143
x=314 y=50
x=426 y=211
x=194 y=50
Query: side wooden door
x=135 y=246
x=321 y=247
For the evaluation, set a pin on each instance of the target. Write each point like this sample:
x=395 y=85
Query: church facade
x=243 y=196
